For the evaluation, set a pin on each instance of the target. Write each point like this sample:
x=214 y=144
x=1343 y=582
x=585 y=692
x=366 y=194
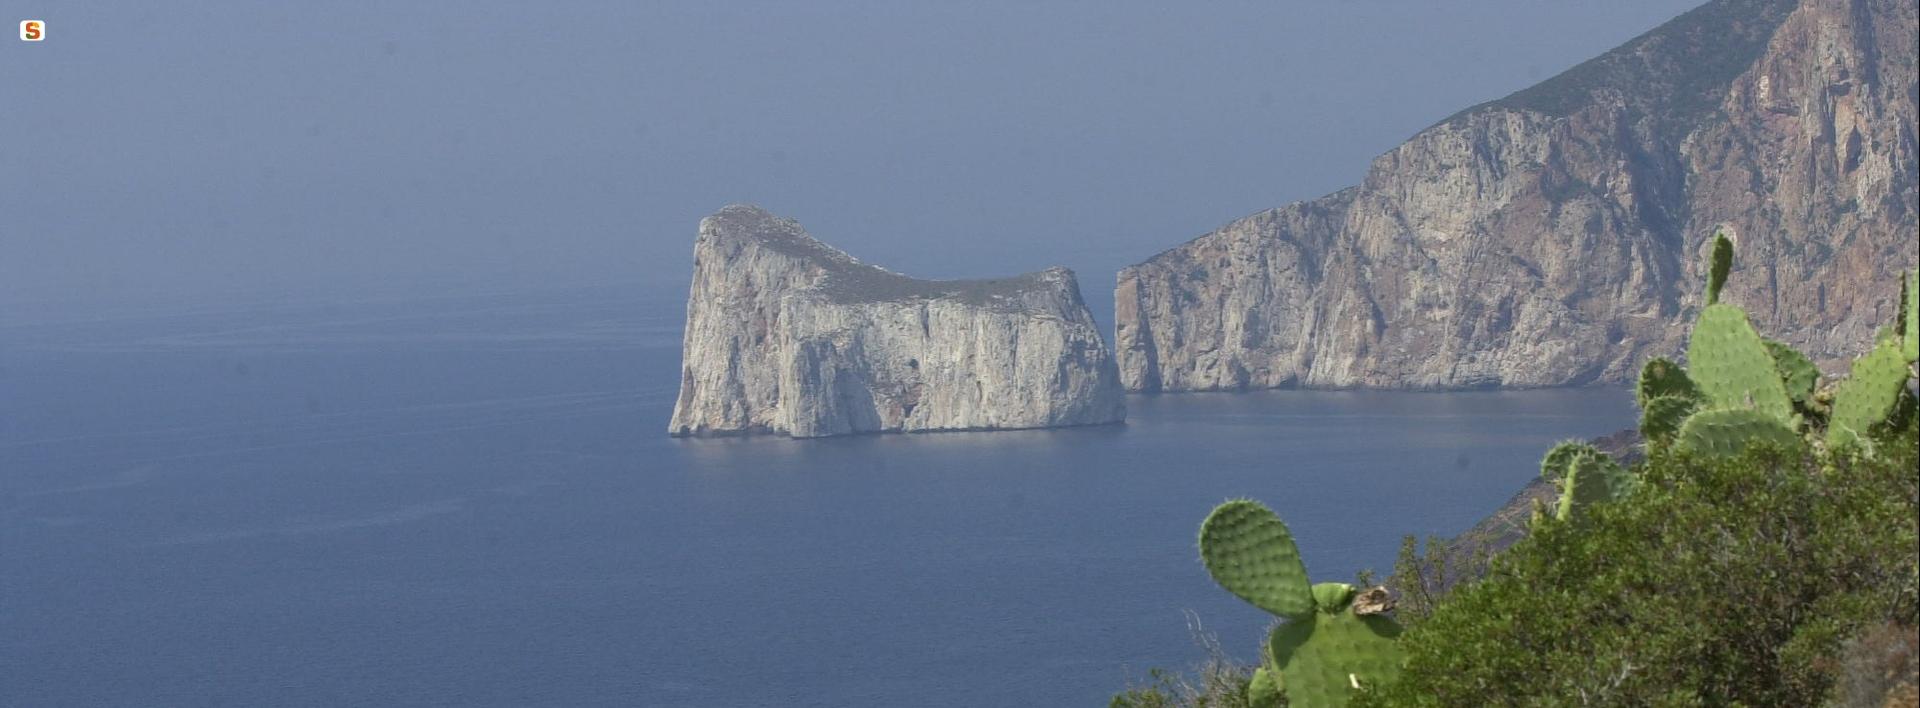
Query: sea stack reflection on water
x=786 y=334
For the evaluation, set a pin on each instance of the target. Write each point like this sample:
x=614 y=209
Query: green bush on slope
x=1723 y=581
x=1751 y=559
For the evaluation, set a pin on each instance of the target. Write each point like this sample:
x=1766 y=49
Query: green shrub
x=1732 y=580
x=1421 y=579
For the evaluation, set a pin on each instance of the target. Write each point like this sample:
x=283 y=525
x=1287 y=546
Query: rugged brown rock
x=1548 y=238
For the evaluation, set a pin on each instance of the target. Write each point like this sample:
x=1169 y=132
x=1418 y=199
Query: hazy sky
x=178 y=151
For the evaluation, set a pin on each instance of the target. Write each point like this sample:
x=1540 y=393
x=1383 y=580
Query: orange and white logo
x=32 y=30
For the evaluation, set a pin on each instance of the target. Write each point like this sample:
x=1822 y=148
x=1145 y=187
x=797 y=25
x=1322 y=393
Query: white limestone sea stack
x=788 y=335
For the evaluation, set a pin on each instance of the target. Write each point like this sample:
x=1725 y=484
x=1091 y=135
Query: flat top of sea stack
x=851 y=281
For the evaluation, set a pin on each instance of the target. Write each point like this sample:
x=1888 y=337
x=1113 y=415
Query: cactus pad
x=1661 y=416
x=1868 y=395
x=1661 y=377
x=1263 y=691
x=1322 y=656
x=1250 y=552
x=1584 y=475
x=1554 y=465
x=1718 y=264
x=1731 y=365
x=1725 y=432
x=1797 y=372
x=1332 y=598
x=1591 y=479
x=1312 y=658
x=1910 y=329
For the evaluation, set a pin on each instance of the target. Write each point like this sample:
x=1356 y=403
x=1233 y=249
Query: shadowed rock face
x=786 y=334
x=1549 y=238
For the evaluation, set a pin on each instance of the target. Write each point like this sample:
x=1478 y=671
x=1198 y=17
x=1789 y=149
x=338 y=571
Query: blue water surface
x=472 y=501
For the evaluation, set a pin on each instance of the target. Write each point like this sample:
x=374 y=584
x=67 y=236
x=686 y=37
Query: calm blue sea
x=471 y=501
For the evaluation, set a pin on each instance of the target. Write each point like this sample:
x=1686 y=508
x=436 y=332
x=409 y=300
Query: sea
x=472 y=501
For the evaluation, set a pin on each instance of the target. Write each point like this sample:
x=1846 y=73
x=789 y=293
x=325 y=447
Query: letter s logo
x=32 y=30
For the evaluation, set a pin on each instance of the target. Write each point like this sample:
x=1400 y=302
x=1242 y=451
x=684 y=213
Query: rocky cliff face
x=1549 y=238
x=788 y=335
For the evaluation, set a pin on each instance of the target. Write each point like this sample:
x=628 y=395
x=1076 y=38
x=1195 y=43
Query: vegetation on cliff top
x=849 y=280
x=1674 y=73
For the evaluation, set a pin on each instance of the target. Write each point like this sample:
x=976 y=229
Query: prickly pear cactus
x=1661 y=377
x=1591 y=479
x=1324 y=649
x=1868 y=396
x=1741 y=388
x=1251 y=553
x=1731 y=365
x=1797 y=372
x=1717 y=266
x=1661 y=416
x=1327 y=657
x=1910 y=317
x=1725 y=432
x=1263 y=691
x=1553 y=466
x=1585 y=476
x=1327 y=595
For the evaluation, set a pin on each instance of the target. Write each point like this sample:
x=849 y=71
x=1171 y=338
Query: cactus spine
x=1324 y=647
